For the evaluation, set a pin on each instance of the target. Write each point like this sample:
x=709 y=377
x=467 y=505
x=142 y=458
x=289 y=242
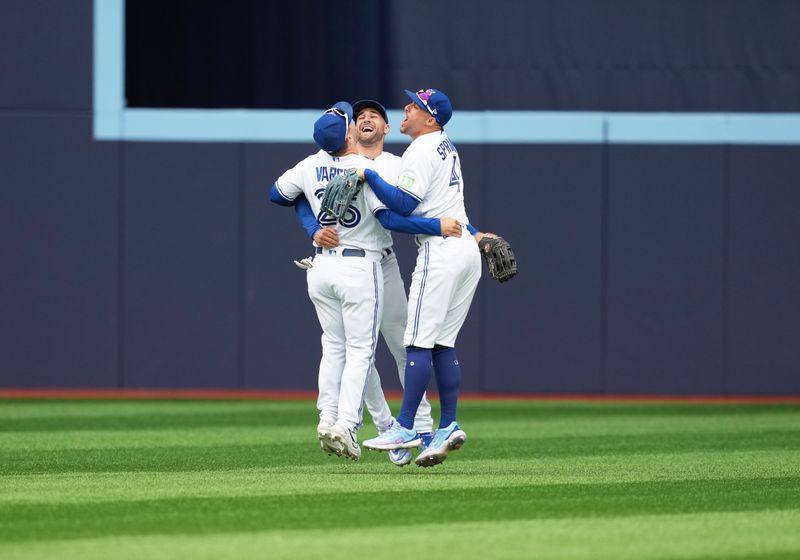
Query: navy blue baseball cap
x=434 y=102
x=330 y=130
x=358 y=106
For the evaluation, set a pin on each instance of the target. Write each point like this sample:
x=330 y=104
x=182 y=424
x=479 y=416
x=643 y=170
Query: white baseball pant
x=444 y=281
x=347 y=292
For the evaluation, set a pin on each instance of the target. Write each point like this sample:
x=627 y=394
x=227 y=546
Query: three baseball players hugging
x=348 y=196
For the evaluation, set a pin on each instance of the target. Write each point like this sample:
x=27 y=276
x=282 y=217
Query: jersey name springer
x=445 y=148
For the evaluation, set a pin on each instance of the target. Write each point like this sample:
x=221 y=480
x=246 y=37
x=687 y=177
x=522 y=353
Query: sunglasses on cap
x=339 y=112
x=424 y=95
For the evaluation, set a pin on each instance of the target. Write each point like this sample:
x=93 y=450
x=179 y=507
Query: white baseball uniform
x=393 y=325
x=448 y=269
x=346 y=286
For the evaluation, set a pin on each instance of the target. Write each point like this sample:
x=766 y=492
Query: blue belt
x=347 y=252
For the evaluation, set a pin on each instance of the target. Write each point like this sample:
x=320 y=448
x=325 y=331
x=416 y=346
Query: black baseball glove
x=340 y=192
x=499 y=256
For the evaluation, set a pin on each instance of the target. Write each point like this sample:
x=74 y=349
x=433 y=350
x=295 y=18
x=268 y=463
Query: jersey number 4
x=455 y=180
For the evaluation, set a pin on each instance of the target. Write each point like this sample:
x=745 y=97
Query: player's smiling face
x=370 y=127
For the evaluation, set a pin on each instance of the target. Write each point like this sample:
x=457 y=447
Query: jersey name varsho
x=325 y=174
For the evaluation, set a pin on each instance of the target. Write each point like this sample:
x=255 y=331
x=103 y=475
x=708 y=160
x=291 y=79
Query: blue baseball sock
x=448 y=380
x=419 y=369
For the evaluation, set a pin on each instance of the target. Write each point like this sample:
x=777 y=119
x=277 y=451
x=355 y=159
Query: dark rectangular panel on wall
x=181 y=265
x=764 y=262
x=614 y=55
x=46 y=54
x=665 y=251
x=282 y=335
x=59 y=249
x=543 y=329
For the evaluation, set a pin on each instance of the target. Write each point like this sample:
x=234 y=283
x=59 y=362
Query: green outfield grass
x=236 y=479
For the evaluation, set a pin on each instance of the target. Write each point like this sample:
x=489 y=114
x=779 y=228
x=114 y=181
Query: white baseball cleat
x=347 y=439
x=326 y=441
x=444 y=441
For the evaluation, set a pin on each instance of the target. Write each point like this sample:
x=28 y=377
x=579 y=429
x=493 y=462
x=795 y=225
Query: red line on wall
x=255 y=394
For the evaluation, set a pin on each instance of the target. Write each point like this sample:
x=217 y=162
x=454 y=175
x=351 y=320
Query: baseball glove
x=340 y=192
x=499 y=256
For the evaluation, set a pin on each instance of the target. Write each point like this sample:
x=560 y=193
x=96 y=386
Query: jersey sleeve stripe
x=280 y=192
x=411 y=194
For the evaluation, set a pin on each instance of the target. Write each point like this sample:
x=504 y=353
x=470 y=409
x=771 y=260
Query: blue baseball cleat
x=400 y=457
x=395 y=437
x=444 y=441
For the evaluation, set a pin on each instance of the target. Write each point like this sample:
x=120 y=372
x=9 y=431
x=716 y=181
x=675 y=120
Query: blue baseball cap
x=434 y=102
x=330 y=130
x=359 y=106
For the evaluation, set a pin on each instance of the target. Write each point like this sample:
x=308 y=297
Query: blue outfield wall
x=658 y=252
x=644 y=269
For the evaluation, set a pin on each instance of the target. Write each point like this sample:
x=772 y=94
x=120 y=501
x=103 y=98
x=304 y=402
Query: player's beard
x=370 y=140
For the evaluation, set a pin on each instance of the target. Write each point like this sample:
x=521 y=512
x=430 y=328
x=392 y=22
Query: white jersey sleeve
x=290 y=184
x=372 y=200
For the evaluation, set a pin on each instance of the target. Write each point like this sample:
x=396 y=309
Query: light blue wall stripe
x=112 y=121
x=109 y=69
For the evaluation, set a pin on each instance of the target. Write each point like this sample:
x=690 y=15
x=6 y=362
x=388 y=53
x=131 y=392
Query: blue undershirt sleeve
x=307 y=218
x=277 y=197
x=472 y=229
x=411 y=224
x=397 y=200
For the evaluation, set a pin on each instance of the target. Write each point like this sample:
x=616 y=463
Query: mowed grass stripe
x=337 y=476
x=93 y=435
x=250 y=456
x=20 y=409
x=49 y=416
x=355 y=509
x=762 y=535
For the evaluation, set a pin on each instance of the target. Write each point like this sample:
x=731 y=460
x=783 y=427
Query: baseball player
x=371 y=127
x=430 y=184
x=345 y=282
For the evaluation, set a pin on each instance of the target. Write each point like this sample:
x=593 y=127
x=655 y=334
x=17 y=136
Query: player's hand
x=361 y=174
x=450 y=227
x=327 y=237
x=480 y=235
